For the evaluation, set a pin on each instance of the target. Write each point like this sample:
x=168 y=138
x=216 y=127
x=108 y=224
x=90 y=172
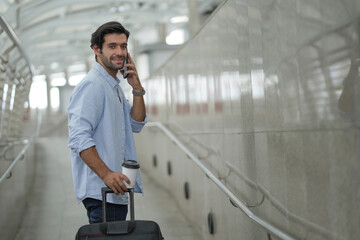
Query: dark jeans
x=114 y=212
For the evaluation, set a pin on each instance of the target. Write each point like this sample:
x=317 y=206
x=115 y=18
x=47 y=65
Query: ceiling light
x=179 y=19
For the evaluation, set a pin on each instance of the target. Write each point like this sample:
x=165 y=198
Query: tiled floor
x=53 y=212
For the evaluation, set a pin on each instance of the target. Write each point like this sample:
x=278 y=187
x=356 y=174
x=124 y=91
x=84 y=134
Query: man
x=101 y=123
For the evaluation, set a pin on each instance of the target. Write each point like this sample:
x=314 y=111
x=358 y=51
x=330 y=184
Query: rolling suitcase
x=129 y=230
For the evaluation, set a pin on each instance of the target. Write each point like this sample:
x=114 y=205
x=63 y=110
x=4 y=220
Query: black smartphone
x=125 y=68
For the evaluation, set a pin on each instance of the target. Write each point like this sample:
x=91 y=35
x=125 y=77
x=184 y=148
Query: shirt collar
x=109 y=79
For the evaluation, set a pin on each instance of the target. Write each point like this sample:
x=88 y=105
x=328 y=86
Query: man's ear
x=96 y=50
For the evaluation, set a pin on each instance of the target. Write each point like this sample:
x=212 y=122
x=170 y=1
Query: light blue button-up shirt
x=99 y=115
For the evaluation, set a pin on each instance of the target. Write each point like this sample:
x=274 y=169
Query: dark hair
x=97 y=38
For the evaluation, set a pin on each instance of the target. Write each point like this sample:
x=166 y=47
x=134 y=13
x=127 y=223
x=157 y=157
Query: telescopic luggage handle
x=106 y=190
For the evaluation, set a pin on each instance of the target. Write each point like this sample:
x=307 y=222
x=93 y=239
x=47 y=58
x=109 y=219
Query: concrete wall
x=267 y=95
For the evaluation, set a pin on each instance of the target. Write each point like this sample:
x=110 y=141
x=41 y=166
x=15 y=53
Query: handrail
x=266 y=195
x=17 y=74
x=24 y=149
x=5 y=26
x=248 y=182
x=10 y=145
x=238 y=203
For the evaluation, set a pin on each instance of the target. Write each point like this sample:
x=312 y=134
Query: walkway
x=53 y=212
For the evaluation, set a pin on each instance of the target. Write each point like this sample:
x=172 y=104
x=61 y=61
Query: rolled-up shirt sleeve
x=137 y=126
x=84 y=112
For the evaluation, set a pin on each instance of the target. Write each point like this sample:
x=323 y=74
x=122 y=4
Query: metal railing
x=234 y=200
x=16 y=74
x=6 y=27
x=21 y=154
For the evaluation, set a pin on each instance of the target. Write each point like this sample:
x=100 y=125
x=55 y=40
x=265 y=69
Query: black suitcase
x=129 y=230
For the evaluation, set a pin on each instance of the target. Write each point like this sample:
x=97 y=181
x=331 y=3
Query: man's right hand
x=114 y=180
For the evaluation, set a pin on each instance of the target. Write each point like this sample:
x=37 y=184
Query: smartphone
x=125 y=68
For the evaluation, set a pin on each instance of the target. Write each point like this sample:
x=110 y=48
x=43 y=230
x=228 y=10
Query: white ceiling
x=56 y=33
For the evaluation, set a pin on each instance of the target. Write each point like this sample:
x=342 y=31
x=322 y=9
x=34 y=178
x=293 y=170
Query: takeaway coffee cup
x=130 y=169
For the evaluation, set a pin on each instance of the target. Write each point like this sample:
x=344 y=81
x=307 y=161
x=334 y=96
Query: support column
x=162 y=32
x=194 y=21
x=48 y=95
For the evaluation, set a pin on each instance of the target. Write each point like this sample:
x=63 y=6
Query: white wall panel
x=267 y=94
